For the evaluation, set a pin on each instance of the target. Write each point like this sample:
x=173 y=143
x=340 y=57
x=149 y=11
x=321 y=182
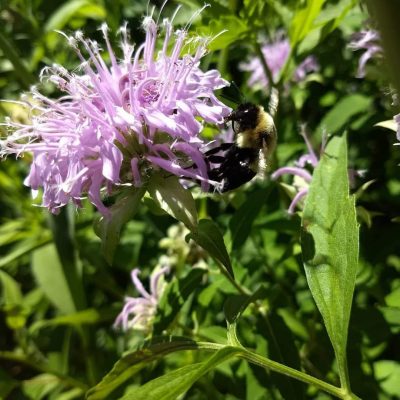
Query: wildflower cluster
x=117 y=123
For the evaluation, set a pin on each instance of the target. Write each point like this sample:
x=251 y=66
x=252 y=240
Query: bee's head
x=244 y=117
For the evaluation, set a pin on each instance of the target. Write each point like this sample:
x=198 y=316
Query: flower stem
x=264 y=64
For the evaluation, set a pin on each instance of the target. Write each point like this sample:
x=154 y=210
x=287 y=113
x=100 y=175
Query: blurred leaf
x=63 y=229
x=11 y=292
x=40 y=386
x=108 y=228
x=229 y=29
x=175 y=383
x=174 y=297
x=132 y=362
x=344 y=110
x=74 y=9
x=174 y=199
x=242 y=221
x=393 y=298
x=329 y=241
x=49 y=274
x=208 y=236
x=9 y=50
x=90 y=316
x=388 y=373
x=304 y=21
x=24 y=247
x=7 y=384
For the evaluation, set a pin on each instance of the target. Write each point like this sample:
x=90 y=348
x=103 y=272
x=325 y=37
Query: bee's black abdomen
x=234 y=169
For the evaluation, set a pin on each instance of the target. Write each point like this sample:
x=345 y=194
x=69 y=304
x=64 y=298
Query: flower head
x=276 y=54
x=368 y=40
x=118 y=122
x=301 y=175
x=138 y=312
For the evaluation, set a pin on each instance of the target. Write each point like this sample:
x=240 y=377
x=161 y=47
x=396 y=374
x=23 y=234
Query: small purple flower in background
x=368 y=40
x=117 y=123
x=276 y=54
x=301 y=175
x=138 y=312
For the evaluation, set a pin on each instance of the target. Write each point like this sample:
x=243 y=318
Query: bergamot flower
x=118 y=122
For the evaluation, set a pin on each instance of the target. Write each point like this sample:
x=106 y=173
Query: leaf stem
x=256 y=359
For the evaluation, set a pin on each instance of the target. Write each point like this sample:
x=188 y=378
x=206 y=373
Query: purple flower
x=368 y=40
x=138 y=312
x=276 y=54
x=117 y=123
x=301 y=175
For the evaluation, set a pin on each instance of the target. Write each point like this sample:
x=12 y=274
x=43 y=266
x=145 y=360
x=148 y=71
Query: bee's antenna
x=242 y=97
x=273 y=102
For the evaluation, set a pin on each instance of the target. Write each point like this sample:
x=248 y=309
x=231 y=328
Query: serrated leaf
x=108 y=228
x=241 y=222
x=174 y=199
x=131 y=363
x=174 y=297
x=173 y=384
x=329 y=241
x=208 y=236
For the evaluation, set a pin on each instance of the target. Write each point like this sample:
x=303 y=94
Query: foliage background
x=59 y=297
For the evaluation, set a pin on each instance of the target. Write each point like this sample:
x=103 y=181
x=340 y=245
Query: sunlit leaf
x=174 y=199
x=330 y=245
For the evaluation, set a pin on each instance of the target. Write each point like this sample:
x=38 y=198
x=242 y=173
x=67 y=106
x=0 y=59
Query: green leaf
x=74 y=9
x=208 y=236
x=241 y=222
x=50 y=277
x=304 y=21
x=85 y=317
x=174 y=199
x=173 y=384
x=388 y=372
x=131 y=363
x=11 y=292
x=343 y=112
x=329 y=241
x=108 y=229
x=174 y=297
x=63 y=229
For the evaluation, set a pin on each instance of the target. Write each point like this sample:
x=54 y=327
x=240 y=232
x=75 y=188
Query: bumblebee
x=234 y=164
